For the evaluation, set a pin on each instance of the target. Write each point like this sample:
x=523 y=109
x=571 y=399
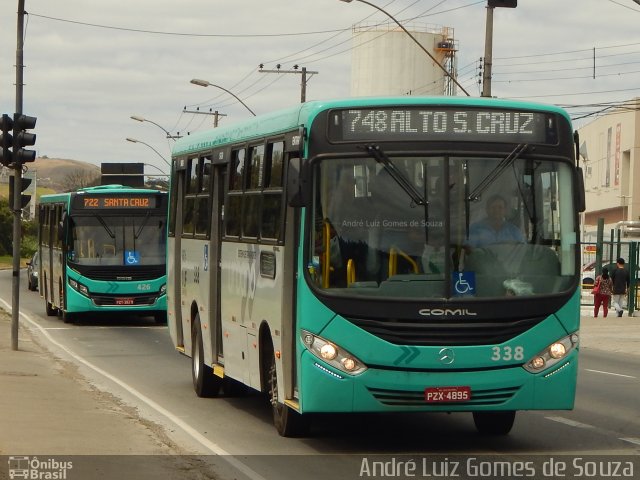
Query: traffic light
x=503 y=3
x=22 y=138
x=6 y=140
x=24 y=199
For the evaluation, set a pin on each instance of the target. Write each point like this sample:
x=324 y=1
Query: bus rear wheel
x=205 y=383
x=494 y=423
x=287 y=421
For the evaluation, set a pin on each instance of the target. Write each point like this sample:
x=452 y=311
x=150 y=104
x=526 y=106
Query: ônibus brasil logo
x=36 y=469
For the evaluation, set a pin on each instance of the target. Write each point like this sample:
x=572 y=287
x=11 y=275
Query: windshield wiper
x=376 y=152
x=496 y=172
x=136 y=235
x=106 y=227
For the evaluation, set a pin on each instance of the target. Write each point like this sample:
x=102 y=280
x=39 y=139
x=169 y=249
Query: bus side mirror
x=581 y=202
x=62 y=226
x=297 y=194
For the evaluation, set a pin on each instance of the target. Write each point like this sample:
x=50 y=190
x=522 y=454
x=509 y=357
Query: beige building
x=610 y=151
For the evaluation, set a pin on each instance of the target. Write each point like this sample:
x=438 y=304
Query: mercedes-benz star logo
x=446 y=356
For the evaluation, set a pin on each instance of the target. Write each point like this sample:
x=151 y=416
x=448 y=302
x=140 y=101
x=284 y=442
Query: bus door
x=219 y=173
x=174 y=261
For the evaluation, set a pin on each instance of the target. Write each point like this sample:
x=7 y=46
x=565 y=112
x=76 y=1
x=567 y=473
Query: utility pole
x=303 y=77
x=216 y=115
x=488 y=49
x=488 y=42
x=17 y=194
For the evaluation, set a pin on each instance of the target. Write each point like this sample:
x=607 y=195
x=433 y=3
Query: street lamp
x=204 y=83
x=133 y=140
x=414 y=39
x=142 y=119
x=157 y=168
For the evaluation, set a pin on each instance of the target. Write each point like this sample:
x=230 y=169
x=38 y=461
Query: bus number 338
x=507 y=353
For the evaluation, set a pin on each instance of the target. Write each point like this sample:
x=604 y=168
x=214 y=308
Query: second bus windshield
x=107 y=240
x=459 y=226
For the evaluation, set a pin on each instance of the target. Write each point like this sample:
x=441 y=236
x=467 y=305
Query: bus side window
x=272 y=193
x=233 y=210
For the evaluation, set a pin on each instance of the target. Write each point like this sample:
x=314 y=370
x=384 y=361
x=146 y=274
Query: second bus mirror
x=296 y=196
x=62 y=226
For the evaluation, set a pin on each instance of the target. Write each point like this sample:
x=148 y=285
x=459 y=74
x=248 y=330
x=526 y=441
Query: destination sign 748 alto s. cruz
x=447 y=123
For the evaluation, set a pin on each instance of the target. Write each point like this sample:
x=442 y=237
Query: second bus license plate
x=124 y=301
x=447 y=394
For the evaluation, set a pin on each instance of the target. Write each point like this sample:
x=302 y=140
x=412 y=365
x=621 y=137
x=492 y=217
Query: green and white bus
x=103 y=249
x=336 y=256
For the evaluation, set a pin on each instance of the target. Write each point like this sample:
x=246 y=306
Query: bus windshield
x=122 y=241
x=481 y=226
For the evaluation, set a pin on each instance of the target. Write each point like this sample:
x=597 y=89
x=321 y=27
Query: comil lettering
x=443 y=312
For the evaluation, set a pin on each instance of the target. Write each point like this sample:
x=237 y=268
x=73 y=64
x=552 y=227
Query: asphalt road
x=133 y=359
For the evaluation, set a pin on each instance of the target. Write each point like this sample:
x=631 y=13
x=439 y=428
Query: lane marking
x=609 y=373
x=631 y=440
x=571 y=423
x=204 y=441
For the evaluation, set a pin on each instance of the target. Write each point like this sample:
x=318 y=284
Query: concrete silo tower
x=386 y=61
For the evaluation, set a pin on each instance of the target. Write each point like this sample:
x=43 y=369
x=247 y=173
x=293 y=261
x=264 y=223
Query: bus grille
x=449 y=332
x=119 y=273
x=404 y=398
x=112 y=300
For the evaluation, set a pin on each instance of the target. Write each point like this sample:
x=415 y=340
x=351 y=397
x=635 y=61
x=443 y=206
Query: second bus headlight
x=553 y=354
x=332 y=354
x=79 y=287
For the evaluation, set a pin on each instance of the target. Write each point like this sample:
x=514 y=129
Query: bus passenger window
x=250 y=216
x=271 y=215
x=189 y=214
x=273 y=166
x=237 y=169
x=233 y=215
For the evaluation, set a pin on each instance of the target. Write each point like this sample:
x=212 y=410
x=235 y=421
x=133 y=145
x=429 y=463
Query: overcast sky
x=90 y=65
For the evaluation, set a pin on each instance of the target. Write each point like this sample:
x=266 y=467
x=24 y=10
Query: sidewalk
x=47 y=407
x=611 y=334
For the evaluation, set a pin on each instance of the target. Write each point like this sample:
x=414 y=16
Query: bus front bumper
x=326 y=389
x=106 y=302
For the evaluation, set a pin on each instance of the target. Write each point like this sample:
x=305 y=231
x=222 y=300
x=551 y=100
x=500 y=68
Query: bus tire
x=287 y=421
x=494 y=423
x=51 y=311
x=205 y=383
x=160 y=318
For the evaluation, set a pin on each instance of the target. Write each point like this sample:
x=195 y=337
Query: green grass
x=6 y=262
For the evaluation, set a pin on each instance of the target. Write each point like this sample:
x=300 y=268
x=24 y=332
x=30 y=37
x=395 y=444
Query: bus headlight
x=79 y=287
x=553 y=354
x=163 y=289
x=332 y=354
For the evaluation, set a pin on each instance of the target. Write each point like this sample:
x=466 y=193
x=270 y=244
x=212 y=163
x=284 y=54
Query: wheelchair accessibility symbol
x=131 y=257
x=464 y=283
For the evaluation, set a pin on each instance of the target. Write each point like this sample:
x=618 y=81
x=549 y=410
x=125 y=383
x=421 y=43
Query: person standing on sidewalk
x=604 y=287
x=620 y=279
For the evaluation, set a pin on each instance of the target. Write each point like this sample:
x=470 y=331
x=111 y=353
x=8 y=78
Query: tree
x=6 y=227
x=80 y=179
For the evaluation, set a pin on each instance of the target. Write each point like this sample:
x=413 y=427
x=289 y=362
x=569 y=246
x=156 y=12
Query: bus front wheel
x=205 y=383
x=494 y=423
x=287 y=421
x=50 y=309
